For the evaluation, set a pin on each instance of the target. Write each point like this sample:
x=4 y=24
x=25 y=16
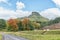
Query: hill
x=53 y=24
x=35 y=16
x=52 y=27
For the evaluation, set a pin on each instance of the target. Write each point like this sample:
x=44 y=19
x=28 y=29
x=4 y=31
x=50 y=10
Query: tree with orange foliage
x=13 y=25
x=27 y=24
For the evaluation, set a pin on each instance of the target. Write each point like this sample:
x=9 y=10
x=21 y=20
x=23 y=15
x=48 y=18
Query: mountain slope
x=54 y=26
x=35 y=16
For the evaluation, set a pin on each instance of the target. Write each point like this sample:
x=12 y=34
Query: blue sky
x=30 y=5
x=21 y=8
x=38 y=5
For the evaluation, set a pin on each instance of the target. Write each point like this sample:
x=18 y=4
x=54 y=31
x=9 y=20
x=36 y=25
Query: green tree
x=2 y=24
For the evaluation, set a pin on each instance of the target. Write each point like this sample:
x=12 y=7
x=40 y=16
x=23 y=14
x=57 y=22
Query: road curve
x=12 y=37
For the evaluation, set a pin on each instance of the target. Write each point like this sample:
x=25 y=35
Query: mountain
x=35 y=16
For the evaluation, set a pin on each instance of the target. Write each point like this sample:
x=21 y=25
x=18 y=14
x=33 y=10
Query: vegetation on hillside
x=34 y=21
x=51 y=22
x=35 y=16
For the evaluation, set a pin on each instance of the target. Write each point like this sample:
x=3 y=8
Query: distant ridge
x=35 y=16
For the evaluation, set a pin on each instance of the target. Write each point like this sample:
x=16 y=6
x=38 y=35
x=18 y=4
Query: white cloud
x=20 y=5
x=7 y=14
x=21 y=13
x=51 y=13
x=57 y=2
x=5 y=1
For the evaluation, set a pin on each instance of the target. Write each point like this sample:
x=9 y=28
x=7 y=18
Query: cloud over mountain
x=51 y=13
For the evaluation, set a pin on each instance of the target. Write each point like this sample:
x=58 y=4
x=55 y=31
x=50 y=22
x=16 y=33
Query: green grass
x=0 y=37
x=42 y=37
x=36 y=35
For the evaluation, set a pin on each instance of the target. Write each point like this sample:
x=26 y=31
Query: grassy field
x=0 y=37
x=36 y=35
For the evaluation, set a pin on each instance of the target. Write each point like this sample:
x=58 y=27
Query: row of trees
x=18 y=25
x=24 y=24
